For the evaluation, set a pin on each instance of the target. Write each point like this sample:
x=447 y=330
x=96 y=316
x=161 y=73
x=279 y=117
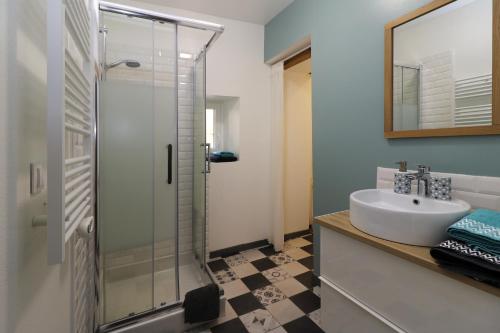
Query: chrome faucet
x=422 y=176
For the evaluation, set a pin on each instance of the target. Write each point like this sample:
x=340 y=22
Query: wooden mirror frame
x=493 y=129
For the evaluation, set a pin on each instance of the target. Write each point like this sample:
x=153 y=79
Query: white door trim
x=277 y=157
x=292 y=50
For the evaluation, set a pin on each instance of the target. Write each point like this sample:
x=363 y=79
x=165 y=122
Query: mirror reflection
x=442 y=68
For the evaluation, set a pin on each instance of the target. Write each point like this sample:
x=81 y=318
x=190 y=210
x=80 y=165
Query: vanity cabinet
x=367 y=289
x=340 y=313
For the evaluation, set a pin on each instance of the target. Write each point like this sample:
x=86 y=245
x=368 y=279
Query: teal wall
x=348 y=100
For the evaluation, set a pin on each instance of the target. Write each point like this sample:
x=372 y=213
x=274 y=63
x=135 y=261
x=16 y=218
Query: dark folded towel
x=223 y=153
x=468 y=260
x=201 y=304
x=218 y=159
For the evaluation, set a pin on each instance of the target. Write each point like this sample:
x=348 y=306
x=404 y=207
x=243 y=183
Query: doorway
x=298 y=166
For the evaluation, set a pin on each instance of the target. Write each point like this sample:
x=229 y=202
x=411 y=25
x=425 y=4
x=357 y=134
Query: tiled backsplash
x=479 y=191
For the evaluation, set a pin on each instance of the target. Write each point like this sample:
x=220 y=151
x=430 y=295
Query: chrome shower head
x=127 y=62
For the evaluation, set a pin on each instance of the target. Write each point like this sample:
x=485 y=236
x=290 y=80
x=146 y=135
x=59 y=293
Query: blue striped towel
x=480 y=228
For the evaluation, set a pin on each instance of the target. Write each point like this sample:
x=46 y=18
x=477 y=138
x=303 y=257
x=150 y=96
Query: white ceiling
x=254 y=11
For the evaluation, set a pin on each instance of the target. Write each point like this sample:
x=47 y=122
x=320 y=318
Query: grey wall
x=348 y=100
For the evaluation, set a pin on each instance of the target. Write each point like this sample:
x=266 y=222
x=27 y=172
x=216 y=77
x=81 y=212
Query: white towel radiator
x=70 y=123
x=473 y=114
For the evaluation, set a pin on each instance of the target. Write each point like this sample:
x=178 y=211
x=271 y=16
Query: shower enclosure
x=406 y=97
x=152 y=161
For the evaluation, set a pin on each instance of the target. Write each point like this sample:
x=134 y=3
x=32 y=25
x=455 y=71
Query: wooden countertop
x=419 y=255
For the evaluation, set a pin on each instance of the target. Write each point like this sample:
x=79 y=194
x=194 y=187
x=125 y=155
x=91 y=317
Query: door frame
x=289 y=57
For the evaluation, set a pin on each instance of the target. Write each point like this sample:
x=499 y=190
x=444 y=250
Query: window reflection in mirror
x=442 y=68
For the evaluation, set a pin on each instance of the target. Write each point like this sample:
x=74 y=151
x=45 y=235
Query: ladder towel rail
x=70 y=122
x=472 y=95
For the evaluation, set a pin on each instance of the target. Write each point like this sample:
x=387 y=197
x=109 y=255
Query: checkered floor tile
x=269 y=291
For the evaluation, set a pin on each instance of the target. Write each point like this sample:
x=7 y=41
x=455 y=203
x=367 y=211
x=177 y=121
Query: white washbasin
x=407 y=219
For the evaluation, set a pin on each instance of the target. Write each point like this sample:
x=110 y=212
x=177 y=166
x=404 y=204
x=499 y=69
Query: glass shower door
x=166 y=272
x=137 y=193
x=201 y=161
x=406 y=83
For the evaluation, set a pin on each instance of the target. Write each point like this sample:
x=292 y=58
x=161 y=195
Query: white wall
x=239 y=204
x=239 y=193
x=38 y=295
x=298 y=150
x=34 y=297
x=466 y=31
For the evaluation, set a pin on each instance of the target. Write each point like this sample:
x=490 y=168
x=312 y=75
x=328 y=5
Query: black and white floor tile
x=269 y=291
x=236 y=260
x=282 y=258
x=268 y=295
x=225 y=275
x=276 y=274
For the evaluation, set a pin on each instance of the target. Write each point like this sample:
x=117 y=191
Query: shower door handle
x=209 y=162
x=169 y=164
x=207 y=167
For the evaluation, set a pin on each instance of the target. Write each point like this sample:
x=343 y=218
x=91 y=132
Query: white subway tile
x=488 y=185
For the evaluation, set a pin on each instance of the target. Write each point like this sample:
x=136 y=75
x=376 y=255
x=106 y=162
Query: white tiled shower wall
x=185 y=146
x=438 y=91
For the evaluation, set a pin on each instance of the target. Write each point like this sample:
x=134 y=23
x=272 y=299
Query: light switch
x=37 y=183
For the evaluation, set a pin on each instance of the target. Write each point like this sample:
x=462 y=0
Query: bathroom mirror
x=442 y=70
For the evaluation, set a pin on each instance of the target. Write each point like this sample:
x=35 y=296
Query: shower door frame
x=217 y=29
x=201 y=57
x=152 y=15
x=417 y=68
